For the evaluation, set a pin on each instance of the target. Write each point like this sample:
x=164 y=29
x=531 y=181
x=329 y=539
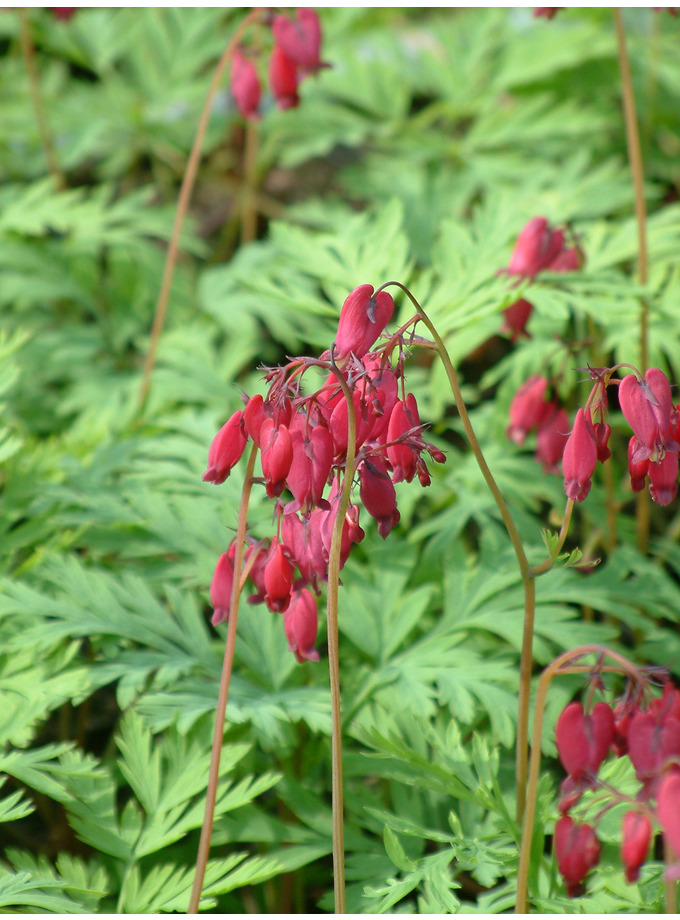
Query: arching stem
x=213 y=776
x=526 y=659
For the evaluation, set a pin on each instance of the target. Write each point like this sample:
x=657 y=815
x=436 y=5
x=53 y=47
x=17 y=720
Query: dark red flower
x=402 y=456
x=283 y=79
x=311 y=466
x=363 y=317
x=577 y=850
x=516 y=317
x=579 y=459
x=278 y=577
x=528 y=408
x=277 y=456
x=222 y=585
x=536 y=247
x=245 y=85
x=300 y=624
x=378 y=495
x=583 y=739
x=226 y=449
x=637 y=469
x=647 y=408
x=663 y=479
x=551 y=437
x=635 y=840
x=300 y=39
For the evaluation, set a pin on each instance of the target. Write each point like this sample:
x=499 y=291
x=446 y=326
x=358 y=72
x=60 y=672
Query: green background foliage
x=417 y=156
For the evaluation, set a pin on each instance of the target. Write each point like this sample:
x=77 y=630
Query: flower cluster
x=531 y=408
x=303 y=441
x=653 y=449
x=295 y=55
x=649 y=734
x=538 y=248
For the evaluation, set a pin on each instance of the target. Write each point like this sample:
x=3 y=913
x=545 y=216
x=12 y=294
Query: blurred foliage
x=417 y=156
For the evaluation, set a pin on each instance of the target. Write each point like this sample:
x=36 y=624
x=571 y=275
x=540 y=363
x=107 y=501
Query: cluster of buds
x=538 y=248
x=648 y=734
x=653 y=450
x=531 y=408
x=295 y=55
x=303 y=442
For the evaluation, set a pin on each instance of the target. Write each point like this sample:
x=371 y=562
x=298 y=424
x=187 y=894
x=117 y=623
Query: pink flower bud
x=222 y=585
x=537 y=246
x=277 y=456
x=378 y=495
x=362 y=318
x=551 y=438
x=635 y=840
x=602 y=432
x=278 y=577
x=245 y=85
x=583 y=740
x=300 y=624
x=577 y=850
x=300 y=38
x=528 y=408
x=516 y=317
x=226 y=449
x=283 y=79
x=579 y=459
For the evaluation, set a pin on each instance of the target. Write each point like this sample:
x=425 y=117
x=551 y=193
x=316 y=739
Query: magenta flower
x=536 y=247
x=226 y=449
x=403 y=458
x=300 y=624
x=635 y=839
x=222 y=585
x=668 y=808
x=516 y=317
x=278 y=577
x=245 y=85
x=283 y=79
x=577 y=850
x=277 y=456
x=583 y=739
x=300 y=39
x=579 y=459
x=551 y=437
x=528 y=408
x=378 y=495
x=647 y=408
x=363 y=317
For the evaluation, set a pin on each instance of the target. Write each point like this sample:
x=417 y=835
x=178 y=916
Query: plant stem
x=546 y=677
x=184 y=197
x=35 y=91
x=333 y=653
x=670 y=886
x=635 y=158
x=218 y=734
x=526 y=659
x=249 y=194
x=564 y=530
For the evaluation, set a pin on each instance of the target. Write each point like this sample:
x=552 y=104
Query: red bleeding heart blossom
x=300 y=39
x=226 y=449
x=537 y=246
x=647 y=406
x=577 y=850
x=222 y=585
x=300 y=624
x=528 y=408
x=283 y=79
x=363 y=317
x=579 y=459
x=278 y=577
x=378 y=495
x=635 y=840
x=277 y=456
x=245 y=85
x=551 y=438
x=516 y=317
x=583 y=739
x=668 y=809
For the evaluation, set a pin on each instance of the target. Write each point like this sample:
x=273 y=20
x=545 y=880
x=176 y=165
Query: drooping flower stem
x=559 y=665
x=35 y=92
x=333 y=652
x=218 y=734
x=183 y=199
x=526 y=659
x=635 y=159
